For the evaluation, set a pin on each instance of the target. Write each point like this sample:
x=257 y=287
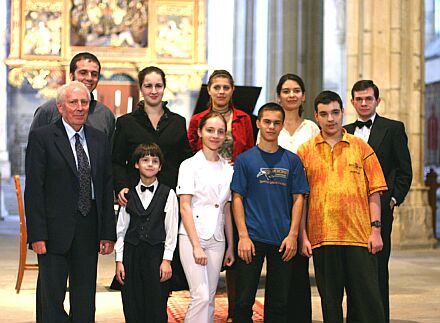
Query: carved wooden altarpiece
x=125 y=35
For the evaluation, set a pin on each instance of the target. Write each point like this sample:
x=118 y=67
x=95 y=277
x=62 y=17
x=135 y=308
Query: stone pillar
x=334 y=49
x=295 y=38
x=250 y=45
x=244 y=42
x=429 y=21
x=385 y=43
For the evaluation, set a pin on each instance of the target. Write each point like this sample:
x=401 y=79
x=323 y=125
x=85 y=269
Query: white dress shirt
x=209 y=184
x=171 y=222
x=364 y=132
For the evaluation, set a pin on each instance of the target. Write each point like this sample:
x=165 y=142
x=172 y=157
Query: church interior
x=331 y=44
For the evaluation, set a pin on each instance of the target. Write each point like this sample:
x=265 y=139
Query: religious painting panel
x=175 y=30
x=42 y=26
x=101 y=23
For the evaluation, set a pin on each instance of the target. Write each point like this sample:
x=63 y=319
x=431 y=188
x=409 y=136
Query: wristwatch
x=376 y=224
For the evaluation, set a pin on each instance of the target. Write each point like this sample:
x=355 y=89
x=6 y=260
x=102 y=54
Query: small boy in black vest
x=146 y=239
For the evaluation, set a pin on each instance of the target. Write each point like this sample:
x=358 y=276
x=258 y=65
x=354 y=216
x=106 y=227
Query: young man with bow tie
x=389 y=141
x=146 y=239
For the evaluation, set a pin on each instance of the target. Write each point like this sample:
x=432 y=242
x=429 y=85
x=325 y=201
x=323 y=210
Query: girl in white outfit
x=203 y=187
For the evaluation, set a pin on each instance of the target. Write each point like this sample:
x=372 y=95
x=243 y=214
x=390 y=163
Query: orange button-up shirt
x=341 y=180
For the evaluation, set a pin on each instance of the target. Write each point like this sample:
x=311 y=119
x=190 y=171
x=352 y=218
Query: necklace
x=229 y=110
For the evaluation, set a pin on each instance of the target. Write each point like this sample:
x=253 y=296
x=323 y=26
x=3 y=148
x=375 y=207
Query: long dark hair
x=297 y=79
x=148 y=70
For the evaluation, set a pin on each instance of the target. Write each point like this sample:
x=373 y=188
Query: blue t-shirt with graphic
x=267 y=181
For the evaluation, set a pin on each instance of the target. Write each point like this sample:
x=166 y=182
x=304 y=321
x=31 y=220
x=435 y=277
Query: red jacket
x=242 y=132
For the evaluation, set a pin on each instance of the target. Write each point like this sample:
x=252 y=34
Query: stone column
x=334 y=49
x=295 y=38
x=385 y=43
x=250 y=45
x=244 y=42
x=429 y=21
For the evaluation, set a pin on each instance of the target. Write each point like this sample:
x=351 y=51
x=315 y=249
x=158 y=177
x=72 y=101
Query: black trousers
x=278 y=276
x=352 y=268
x=300 y=297
x=79 y=266
x=383 y=257
x=144 y=297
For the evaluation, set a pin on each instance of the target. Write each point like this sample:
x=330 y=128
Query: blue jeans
x=278 y=276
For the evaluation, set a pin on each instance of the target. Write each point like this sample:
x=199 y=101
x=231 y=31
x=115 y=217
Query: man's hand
x=106 y=247
x=165 y=270
x=229 y=257
x=39 y=247
x=199 y=256
x=120 y=272
x=306 y=249
x=289 y=245
x=246 y=249
x=392 y=204
x=375 y=243
x=121 y=197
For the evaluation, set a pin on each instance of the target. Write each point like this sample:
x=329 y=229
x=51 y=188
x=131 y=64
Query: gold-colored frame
x=115 y=54
x=42 y=29
x=176 y=34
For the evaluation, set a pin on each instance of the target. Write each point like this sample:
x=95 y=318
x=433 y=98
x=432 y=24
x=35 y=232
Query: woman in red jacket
x=239 y=136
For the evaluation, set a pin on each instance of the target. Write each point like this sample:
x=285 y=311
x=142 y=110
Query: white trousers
x=202 y=280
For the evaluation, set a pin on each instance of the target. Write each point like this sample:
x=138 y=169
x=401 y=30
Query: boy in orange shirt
x=343 y=220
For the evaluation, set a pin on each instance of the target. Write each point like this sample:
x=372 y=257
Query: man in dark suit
x=389 y=141
x=69 y=207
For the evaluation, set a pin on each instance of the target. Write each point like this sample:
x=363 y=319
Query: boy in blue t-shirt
x=268 y=194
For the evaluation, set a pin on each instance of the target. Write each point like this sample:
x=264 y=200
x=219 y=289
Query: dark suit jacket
x=52 y=186
x=390 y=143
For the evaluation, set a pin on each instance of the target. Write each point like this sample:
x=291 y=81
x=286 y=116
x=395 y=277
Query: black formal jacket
x=390 y=143
x=52 y=186
x=134 y=129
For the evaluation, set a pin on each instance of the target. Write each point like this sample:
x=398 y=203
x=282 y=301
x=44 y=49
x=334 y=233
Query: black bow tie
x=360 y=124
x=150 y=188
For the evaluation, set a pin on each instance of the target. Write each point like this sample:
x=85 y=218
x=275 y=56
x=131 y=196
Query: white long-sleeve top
x=171 y=221
x=209 y=184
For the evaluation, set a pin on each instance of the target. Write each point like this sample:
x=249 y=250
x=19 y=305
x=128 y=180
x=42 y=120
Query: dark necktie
x=360 y=124
x=150 y=188
x=85 y=188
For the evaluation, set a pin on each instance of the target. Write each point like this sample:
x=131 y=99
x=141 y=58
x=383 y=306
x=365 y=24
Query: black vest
x=147 y=224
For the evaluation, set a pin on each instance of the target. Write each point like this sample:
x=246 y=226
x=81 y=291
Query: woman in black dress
x=151 y=122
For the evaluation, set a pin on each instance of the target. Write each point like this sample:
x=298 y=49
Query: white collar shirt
x=364 y=132
x=171 y=221
x=209 y=184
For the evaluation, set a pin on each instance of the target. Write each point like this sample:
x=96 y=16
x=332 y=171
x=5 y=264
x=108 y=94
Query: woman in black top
x=151 y=122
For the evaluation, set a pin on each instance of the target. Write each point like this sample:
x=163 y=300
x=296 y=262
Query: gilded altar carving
x=125 y=35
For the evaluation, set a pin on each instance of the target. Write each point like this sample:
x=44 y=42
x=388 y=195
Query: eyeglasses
x=368 y=99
